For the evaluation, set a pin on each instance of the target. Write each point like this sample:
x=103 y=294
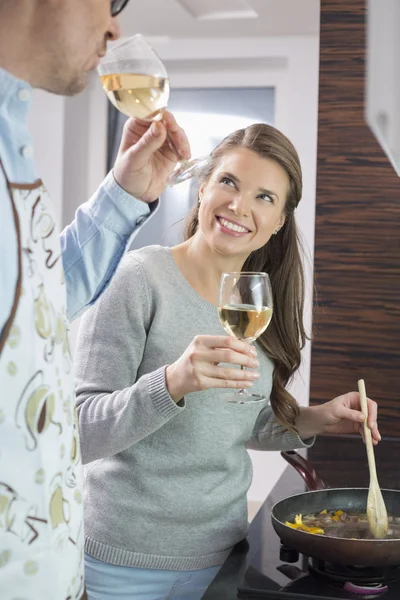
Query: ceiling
x=175 y=18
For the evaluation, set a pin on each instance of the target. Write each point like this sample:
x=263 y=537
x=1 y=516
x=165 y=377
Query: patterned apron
x=41 y=513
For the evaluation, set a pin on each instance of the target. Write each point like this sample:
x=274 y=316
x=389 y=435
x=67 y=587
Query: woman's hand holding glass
x=199 y=366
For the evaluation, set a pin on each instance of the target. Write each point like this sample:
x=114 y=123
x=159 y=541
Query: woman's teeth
x=232 y=226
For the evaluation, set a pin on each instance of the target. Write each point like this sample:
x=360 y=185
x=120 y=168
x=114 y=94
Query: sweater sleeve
x=116 y=408
x=268 y=434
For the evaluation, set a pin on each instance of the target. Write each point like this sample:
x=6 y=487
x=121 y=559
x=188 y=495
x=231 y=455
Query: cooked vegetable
x=336 y=516
x=298 y=524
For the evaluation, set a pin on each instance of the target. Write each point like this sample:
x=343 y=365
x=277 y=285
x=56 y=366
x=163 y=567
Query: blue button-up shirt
x=94 y=242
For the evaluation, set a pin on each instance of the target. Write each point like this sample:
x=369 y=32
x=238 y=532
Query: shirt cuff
x=117 y=210
x=158 y=391
x=294 y=441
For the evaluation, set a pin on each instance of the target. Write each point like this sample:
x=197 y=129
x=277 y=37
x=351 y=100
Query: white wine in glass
x=245 y=308
x=136 y=82
x=244 y=321
x=141 y=96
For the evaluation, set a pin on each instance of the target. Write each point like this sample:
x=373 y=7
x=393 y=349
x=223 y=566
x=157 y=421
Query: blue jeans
x=110 y=582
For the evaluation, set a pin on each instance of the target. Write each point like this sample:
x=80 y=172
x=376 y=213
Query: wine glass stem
x=172 y=145
x=241 y=391
x=169 y=137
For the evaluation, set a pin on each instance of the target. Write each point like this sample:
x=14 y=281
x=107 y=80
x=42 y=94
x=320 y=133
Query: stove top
x=275 y=572
x=304 y=580
x=260 y=568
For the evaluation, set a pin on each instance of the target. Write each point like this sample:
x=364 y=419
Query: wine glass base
x=187 y=169
x=245 y=398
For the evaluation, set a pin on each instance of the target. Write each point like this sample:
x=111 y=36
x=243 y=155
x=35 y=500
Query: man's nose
x=114 y=30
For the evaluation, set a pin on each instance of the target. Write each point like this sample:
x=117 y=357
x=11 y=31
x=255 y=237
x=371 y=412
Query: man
x=53 y=44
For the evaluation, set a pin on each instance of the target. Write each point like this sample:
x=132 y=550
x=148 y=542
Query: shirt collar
x=15 y=95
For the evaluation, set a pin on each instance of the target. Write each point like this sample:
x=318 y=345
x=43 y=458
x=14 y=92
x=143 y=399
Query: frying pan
x=345 y=551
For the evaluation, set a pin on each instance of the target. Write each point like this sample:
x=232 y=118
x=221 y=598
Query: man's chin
x=76 y=85
x=63 y=87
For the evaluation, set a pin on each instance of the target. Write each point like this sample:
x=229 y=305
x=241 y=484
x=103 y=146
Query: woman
x=166 y=487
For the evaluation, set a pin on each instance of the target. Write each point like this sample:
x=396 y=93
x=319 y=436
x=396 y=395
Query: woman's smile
x=229 y=227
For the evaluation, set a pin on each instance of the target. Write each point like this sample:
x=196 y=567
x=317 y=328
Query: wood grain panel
x=342 y=462
x=357 y=244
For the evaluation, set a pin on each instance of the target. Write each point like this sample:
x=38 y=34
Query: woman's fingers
x=219 y=372
x=373 y=420
x=225 y=341
x=225 y=355
x=376 y=436
x=212 y=382
x=372 y=413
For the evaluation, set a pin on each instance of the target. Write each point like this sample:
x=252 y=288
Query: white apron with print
x=41 y=513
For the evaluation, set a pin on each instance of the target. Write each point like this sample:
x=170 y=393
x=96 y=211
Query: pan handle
x=305 y=469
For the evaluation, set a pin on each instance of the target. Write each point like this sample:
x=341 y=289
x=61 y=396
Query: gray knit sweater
x=166 y=484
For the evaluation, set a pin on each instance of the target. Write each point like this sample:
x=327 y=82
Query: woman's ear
x=201 y=192
x=279 y=224
x=282 y=221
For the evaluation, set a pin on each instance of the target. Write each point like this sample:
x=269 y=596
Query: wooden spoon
x=376 y=509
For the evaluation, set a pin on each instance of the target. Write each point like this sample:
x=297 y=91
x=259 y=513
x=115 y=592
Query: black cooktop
x=296 y=582
x=260 y=568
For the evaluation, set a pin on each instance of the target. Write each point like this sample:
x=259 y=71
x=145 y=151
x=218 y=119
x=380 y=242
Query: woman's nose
x=240 y=205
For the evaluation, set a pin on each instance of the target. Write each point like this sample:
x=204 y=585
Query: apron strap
x=7 y=326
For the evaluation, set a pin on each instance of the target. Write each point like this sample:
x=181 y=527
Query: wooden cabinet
x=357 y=244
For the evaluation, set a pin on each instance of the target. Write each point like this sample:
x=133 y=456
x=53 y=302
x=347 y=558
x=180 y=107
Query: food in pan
x=298 y=524
x=341 y=524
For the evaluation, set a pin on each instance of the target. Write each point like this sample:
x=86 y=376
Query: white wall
x=73 y=136
x=46 y=122
x=70 y=149
x=383 y=76
x=85 y=147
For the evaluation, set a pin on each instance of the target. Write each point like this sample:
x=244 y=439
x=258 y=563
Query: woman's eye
x=228 y=181
x=266 y=197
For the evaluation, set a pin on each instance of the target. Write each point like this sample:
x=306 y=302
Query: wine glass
x=136 y=82
x=245 y=308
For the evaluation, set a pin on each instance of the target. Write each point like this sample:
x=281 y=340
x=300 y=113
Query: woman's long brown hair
x=280 y=258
